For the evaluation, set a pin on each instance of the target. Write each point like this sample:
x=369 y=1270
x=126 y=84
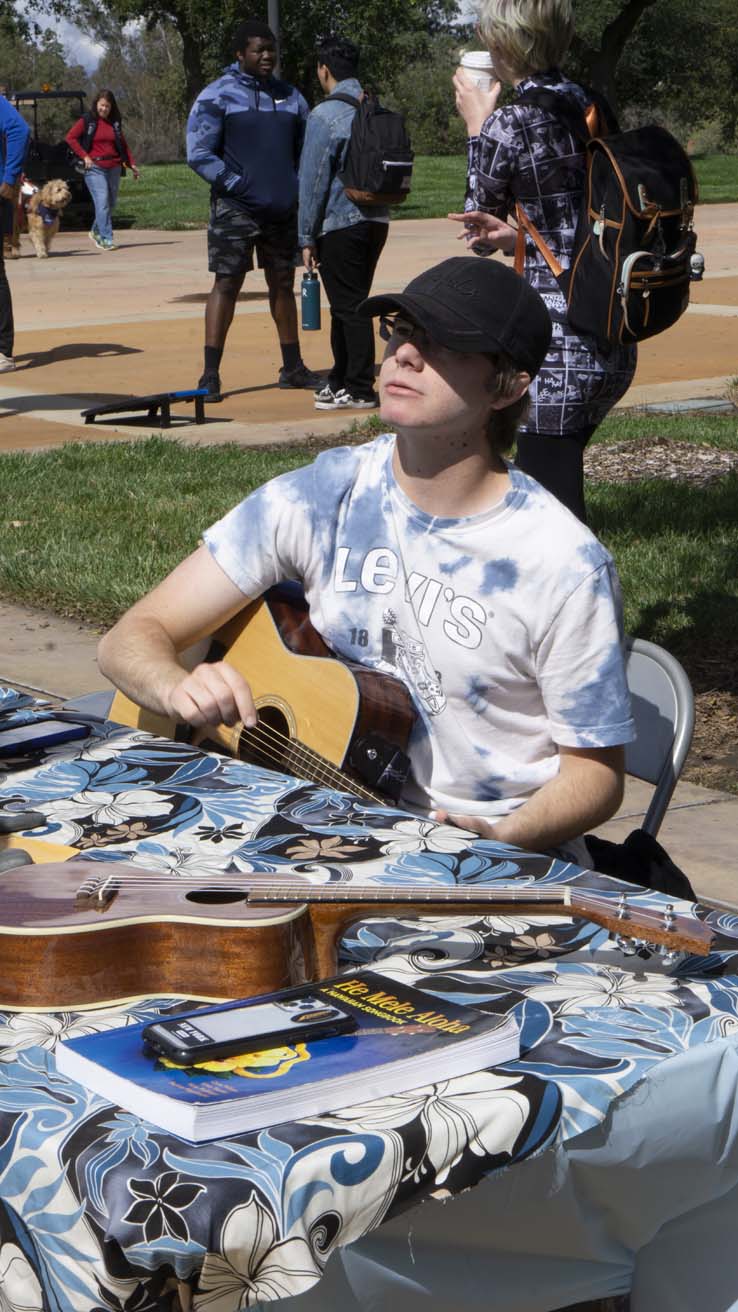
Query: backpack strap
x=526 y=225
x=345 y=97
x=88 y=134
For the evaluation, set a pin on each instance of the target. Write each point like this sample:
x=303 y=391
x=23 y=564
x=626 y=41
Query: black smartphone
x=39 y=733
x=253 y=1027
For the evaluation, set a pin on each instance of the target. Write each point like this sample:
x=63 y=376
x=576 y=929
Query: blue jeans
x=102 y=185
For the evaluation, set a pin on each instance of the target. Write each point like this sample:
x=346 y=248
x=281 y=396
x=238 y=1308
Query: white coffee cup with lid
x=478 y=66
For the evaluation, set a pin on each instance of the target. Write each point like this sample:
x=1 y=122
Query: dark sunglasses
x=403 y=329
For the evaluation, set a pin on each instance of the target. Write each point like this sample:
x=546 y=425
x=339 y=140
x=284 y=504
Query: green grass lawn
x=146 y=503
x=172 y=196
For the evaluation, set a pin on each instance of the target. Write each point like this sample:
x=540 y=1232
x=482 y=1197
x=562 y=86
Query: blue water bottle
x=310 y=300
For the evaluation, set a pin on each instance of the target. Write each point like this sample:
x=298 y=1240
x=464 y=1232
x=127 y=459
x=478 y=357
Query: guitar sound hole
x=217 y=896
x=269 y=743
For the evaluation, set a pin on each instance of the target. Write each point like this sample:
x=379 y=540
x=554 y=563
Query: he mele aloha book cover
x=404 y=1038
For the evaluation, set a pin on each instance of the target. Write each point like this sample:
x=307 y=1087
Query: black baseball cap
x=471 y=304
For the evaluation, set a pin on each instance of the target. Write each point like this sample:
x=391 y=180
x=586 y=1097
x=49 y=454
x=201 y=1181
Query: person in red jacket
x=97 y=137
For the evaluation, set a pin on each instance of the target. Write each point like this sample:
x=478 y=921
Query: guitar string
x=276 y=891
x=320 y=769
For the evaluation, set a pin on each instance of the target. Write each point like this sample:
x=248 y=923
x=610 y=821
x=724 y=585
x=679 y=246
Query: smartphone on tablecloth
x=254 y=1027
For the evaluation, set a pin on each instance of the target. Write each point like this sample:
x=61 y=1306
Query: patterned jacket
x=523 y=153
x=244 y=137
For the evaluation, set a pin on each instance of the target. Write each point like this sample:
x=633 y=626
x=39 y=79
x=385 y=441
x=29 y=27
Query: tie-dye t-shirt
x=505 y=626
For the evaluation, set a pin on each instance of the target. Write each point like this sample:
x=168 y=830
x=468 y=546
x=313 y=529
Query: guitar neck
x=658 y=925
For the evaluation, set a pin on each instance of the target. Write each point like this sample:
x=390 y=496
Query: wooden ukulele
x=331 y=721
x=81 y=933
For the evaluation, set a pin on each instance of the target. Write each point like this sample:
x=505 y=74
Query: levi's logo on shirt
x=379 y=574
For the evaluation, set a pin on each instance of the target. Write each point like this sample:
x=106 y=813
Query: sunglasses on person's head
x=402 y=328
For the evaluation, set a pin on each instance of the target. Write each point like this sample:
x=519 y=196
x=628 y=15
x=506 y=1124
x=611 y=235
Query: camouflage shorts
x=233 y=236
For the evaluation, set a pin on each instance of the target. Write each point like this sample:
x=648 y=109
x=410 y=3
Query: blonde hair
x=527 y=36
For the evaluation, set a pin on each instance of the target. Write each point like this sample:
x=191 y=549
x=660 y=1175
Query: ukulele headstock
x=634 y=926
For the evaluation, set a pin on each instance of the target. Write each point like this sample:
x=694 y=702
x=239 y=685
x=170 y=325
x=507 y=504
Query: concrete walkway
x=97 y=326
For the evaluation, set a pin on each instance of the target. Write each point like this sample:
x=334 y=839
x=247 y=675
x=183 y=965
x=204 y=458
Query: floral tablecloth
x=102 y=1211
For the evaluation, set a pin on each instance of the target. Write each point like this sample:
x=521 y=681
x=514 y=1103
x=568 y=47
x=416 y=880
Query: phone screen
x=266 y=1018
x=242 y=1029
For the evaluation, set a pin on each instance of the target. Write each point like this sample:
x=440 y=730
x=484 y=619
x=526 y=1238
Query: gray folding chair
x=663 y=710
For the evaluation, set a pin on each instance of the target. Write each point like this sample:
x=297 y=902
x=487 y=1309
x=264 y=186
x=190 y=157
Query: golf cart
x=50 y=115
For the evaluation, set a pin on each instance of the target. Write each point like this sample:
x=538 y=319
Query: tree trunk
x=192 y=60
x=603 y=62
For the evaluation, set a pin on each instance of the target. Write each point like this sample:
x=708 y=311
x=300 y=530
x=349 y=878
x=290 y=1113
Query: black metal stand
x=159 y=404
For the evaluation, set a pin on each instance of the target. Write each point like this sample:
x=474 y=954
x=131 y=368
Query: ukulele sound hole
x=217 y=896
x=269 y=742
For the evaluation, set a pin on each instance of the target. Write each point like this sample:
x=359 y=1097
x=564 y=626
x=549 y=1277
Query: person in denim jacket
x=244 y=136
x=344 y=239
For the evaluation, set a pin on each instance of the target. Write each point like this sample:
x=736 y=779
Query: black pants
x=6 y=310
x=348 y=259
x=557 y=463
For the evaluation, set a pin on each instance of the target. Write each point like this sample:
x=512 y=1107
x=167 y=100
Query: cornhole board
x=160 y=403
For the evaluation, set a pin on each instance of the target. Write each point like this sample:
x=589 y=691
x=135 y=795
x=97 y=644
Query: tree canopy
x=664 y=59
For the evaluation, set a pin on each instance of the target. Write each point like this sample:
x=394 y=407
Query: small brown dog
x=43 y=209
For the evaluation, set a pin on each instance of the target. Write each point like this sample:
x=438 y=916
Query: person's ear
x=514 y=392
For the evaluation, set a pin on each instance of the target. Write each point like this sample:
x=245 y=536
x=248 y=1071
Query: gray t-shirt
x=505 y=626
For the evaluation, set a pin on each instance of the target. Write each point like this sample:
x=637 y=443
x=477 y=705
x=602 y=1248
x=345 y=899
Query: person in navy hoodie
x=14 y=134
x=244 y=137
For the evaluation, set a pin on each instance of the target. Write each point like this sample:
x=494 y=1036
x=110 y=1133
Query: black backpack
x=630 y=271
x=88 y=136
x=378 y=164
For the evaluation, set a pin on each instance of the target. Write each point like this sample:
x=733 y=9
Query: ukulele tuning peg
x=669 y=956
x=669 y=917
x=628 y=946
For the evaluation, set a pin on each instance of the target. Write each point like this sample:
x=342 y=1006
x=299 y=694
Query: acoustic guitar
x=81 y=933
x=330 y=721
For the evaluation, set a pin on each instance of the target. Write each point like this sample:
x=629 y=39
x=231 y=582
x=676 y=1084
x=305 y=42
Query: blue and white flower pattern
x=102 y=1211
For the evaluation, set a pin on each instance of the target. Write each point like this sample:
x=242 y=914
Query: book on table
x=404 y=1038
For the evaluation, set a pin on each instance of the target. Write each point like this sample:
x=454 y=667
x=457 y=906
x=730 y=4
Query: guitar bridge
x=97 y=893
x=379 y=764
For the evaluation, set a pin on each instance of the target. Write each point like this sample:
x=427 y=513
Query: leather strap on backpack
x=526 y=225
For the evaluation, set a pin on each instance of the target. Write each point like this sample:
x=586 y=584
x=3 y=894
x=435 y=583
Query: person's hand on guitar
x=212 y=694
x=144 y=654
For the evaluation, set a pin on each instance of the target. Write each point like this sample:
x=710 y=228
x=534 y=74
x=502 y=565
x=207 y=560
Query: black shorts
x=233 y=236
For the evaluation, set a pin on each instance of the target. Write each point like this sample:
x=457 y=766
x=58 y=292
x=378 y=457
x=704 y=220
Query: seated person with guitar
x=425 y=555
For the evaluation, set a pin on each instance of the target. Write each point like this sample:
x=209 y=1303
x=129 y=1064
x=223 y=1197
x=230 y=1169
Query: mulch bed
x=659 y=457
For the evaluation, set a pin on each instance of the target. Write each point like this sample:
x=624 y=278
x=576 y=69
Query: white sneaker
x=6 y=362
x=342 y=400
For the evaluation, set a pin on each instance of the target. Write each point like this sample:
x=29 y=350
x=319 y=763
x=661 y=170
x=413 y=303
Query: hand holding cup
x=477 y=89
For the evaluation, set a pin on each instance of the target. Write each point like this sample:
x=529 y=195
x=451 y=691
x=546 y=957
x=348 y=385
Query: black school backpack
x=630 y=271
x=88 y=136
x=378 y=165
